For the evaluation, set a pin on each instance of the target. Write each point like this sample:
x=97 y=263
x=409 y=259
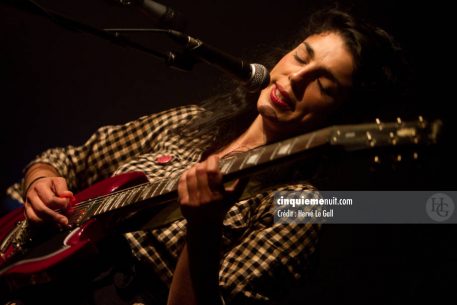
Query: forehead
x=330 y=52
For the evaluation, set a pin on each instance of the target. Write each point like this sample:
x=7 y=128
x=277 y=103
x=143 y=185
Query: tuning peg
x=376 y=160
x=370 y=139
x=379 y=124
x=393 y=138
x=422 y=122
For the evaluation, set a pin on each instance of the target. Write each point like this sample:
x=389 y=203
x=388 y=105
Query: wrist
x=207 y=230
x=29 y=185
x=35 y=173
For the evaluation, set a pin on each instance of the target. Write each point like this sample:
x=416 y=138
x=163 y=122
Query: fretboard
x=350 y=137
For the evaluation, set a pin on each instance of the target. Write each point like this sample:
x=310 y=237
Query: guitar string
x=98 y=200
x=101 y=199
x=87 y=204
x=90 y=203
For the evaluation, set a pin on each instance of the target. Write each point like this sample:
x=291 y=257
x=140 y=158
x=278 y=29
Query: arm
x=259 y=267
x=81 y=166
x=112 y=146
x=196 y=277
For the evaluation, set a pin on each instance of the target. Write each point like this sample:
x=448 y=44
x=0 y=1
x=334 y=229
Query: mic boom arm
x=172 y=59
x=254 y=76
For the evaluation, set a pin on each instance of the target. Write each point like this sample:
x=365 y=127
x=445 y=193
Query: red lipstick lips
x=279 y=97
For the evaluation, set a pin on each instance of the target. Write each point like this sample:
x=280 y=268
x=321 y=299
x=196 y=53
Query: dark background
x=58 y=86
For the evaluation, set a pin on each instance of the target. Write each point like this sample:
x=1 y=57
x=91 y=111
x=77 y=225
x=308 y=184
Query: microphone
x=254 y=76
x=165 y=15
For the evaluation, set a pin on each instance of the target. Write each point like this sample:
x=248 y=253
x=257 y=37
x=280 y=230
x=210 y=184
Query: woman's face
x=307 y=84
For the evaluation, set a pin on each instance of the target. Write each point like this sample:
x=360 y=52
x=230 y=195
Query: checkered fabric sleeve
x=108 y=148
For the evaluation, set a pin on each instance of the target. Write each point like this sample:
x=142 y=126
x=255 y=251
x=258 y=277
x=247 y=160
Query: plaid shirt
x=259 y=259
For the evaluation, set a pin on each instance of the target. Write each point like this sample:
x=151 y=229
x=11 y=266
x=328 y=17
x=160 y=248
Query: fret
x=108 y=202
x=131 y=197
x=265 y=155
x=160 y=187
x=253 y=158
x=227 y=164
x=99 y=204
x=273 y=153
x=126 y=198
x=278 y=150
x=285 y=148
x=238 y=161
x=292 y=146
x=118 y=200
x=113 y=200
x=151 y=190
x=171 y=184
x=245 y=156
x=144 y=191
x=105 y=203
x=135 y=195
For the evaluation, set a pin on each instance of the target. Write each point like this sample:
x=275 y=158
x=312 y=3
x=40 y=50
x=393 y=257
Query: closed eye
x=323 y=89
x=300 y=59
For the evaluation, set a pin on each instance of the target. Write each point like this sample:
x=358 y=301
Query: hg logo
x=439 y=207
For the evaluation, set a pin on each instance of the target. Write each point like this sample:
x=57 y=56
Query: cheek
x=312 y=99
x=313 y=103
x=281 y=67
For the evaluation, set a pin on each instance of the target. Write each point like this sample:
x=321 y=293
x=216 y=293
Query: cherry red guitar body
x=19 y=266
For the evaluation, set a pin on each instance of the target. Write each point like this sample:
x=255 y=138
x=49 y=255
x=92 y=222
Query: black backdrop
x=58 y=86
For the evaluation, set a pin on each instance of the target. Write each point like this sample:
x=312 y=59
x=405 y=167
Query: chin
x=268 y=112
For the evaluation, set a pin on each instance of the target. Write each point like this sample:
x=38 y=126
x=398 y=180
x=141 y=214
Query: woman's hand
x=204 y=203
x=202 y=196
x=44 y=196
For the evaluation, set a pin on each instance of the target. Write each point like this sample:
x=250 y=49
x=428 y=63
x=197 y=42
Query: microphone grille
x=260 y=78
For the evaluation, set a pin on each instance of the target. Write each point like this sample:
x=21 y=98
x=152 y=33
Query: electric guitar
x=31 y=255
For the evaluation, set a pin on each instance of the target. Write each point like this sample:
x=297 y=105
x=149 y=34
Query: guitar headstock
x=392 y=154
x=382 y=134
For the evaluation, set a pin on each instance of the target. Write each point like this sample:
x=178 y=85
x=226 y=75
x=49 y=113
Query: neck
x=256 y=135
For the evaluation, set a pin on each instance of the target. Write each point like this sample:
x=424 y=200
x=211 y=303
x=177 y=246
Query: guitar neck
x=348 y=137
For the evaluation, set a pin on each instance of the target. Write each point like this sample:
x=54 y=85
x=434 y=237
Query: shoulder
x=159 y=122
x=177 y=114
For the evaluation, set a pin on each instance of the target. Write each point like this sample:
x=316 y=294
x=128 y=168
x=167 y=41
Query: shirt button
x=163 y=159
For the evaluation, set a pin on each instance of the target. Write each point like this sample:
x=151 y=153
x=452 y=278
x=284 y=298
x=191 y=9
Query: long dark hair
x=376 y=57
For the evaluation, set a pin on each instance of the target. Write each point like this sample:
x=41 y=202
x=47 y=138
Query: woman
x=224 y=250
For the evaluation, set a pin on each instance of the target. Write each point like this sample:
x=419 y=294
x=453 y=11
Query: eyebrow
x=328 y=73
x=309 y=49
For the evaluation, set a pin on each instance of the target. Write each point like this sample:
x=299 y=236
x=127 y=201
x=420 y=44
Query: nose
x=300 y=79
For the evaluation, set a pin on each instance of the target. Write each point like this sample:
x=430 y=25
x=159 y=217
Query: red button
x=163 y=159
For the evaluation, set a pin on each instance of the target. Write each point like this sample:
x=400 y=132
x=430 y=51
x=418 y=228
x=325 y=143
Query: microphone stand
x=255 y=76
x=180 y=61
